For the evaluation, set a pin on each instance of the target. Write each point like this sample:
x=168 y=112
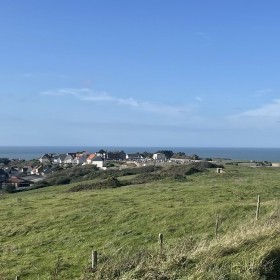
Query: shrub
x=62 y=181
x=41 y=184
x=9 y=188
x=113 y=182
x=108 y=183
x=270 y=265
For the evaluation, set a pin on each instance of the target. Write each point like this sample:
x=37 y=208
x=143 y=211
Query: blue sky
x=140 y=73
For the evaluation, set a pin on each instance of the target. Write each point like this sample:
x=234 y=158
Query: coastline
x=242 y=154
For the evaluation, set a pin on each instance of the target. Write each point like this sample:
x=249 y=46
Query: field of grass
x=49 y=233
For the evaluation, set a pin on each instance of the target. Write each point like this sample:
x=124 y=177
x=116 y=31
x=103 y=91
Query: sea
x=251 y=154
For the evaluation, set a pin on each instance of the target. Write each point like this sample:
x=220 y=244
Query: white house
x=62 y=158
x=26 y=169
x=45 y=159
x=37 y=170
x=133 y=156
x=80 y=159
x=159 y=156
x=90 y=158
x=98 y=161
x=68 y=159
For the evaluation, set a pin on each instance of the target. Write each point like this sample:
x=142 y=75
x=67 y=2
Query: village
x=16 y=175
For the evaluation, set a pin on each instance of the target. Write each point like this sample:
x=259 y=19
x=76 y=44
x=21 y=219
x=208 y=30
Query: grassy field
x=49 y=233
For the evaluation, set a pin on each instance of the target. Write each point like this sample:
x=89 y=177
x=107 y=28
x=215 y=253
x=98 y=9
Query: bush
x=40 y=184
x=108 y=183
x=113 y=182
x=9 y=188
x=5 y=161
x=270 y=265
x=62 y=181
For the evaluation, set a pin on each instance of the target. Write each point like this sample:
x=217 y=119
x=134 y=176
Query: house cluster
x=78 y=158
x=16 y=178
x=22 y=177
x=99 y=159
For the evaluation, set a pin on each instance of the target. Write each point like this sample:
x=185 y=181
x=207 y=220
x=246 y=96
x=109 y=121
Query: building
x=18 y=183
x=45 y=159
x=159 y=156
x=90 y=158
x=135 y=157
x=98 y=161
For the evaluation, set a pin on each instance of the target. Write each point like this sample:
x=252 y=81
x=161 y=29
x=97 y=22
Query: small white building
x=68 y=159
x=80 y=159
x=45 y=159
x=98 y=161
x=133 y=157
x=159 y=156
x=62 y=159
x=37 y=170
x=90 y=158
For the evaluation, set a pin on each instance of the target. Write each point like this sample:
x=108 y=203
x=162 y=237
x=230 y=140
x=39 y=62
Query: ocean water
x=258 y=154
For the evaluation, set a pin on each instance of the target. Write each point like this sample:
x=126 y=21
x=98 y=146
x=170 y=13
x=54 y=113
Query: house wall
x=68 y=159
x=98 y=163
x=80 y=160
x=45 y=160
x=159 y=156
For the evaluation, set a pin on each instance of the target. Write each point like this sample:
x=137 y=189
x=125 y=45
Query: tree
x=101 y=152
x=195 y=157
x=147 y=155
x=168 y=153
x=180 y=155
x=5 y=161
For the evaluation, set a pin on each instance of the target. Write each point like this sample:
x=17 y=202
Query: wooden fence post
x=258 y=207
x=94 y=260
x=217 y=226
x=17 y=277
x=160 y=240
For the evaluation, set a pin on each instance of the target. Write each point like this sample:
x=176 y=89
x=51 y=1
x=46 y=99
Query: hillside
x=49 y=233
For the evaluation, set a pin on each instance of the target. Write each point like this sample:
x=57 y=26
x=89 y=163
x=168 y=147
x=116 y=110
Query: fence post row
x=160 y=237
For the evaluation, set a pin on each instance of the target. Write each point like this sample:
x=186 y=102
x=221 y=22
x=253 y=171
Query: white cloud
x=270 y=111
x=86 y=94
x=265 y=116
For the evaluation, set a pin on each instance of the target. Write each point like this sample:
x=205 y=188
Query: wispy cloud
x=266 y=115
x=86 y=94
x=198 y=98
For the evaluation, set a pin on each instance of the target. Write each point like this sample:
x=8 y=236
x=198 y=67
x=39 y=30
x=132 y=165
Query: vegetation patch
x=270 y=265
x=108 y=183
x=144 y=175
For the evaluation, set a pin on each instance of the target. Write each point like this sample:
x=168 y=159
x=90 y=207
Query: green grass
x=49 y=233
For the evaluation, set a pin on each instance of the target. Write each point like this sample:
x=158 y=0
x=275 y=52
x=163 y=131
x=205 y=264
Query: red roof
x=91 y=156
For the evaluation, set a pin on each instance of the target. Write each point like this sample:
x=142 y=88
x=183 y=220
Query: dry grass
x=249 y=252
